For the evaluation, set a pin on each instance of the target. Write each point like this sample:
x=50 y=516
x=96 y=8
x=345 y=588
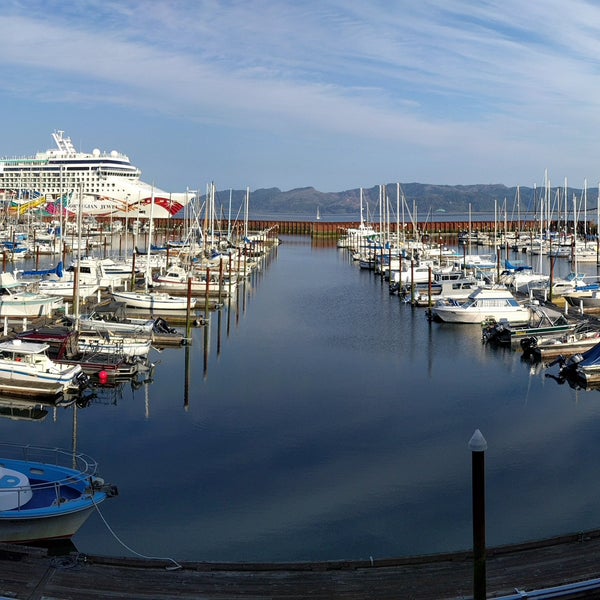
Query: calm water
x=321 y=418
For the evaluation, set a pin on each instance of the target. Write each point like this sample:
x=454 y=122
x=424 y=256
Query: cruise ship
x=101 y=183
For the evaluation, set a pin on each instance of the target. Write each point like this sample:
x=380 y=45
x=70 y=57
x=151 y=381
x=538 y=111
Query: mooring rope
x=176 y=565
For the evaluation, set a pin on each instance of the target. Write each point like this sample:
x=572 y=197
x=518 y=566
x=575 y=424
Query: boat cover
x=58 y=270
x=591 y=357
x=508 y=265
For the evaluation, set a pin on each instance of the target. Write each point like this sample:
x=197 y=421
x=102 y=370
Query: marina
x=392 y=473
x=331 y=421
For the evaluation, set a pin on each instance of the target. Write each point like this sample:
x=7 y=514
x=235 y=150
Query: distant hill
x=302 y=203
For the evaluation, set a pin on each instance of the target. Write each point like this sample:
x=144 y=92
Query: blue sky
x=334 y=94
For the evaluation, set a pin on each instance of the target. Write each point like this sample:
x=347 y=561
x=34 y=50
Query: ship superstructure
x=101 y=183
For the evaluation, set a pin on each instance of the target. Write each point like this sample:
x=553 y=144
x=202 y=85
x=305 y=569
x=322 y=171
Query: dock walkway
x=32 y=574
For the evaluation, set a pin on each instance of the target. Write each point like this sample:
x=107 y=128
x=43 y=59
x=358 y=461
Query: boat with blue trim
x=47 y=493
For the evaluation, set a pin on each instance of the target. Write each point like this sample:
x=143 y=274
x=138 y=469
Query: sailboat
x=318 y=214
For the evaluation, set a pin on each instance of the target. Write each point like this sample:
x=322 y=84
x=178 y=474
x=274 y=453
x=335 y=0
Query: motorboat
x=53 y=282
x=26 y=369
x=448 y=286
x=64 y=349
x=111 y=317
x=179 y=280
x=544 y=323
x=582 y=338
x=113 y=344
x=154 y=300
x=584 y=366
x=16 y=301
x=483 y=304
x=66 y=289
x=47 y=493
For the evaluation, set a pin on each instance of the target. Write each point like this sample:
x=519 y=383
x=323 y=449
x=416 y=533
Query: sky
x=333 y=94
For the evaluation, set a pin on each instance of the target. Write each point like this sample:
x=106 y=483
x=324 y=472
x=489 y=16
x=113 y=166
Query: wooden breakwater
x=339 y=228
x=173 y=228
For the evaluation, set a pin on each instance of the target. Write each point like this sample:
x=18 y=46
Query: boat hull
x=586 y=300
x=27 y=308
x=55 y=527
x=113 y=346
x=460 y=315
x=46 y=493
x=153 y=301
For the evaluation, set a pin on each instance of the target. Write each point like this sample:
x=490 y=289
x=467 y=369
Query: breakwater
x=339 y=228
x=335 y=229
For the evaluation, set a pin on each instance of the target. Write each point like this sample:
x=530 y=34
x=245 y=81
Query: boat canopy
x=21 y=347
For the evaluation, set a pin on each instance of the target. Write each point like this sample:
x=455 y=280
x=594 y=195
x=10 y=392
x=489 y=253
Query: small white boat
x=15 y=301
x=113 y=344
x=485 y=303
x=112 y=318
x=153 y=300
x=66 y=289
x=46 y=493
x=26 y=369
x=175 y=280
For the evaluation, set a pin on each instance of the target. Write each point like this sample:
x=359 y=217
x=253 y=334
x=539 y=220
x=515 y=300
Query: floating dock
x=32 y=573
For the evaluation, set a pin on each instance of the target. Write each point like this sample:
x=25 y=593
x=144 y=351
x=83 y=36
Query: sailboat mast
x=246 y=209
x=148 y=268
x=78 y=266
x=398 y=215
x=361 y=209
x=229 y=216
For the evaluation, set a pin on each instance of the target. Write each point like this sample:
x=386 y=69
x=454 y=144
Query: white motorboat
x=112 y=318
x=453 y=286
x=15 y=301
x=177 y=279
x=26 y=369
x=483 y=304
x=66 y=289
x=153 y=300
x=113 y=344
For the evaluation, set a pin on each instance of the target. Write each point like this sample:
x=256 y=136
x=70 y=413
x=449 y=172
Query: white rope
x=175 y=566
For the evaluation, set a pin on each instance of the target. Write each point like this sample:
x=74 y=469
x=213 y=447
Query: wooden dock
x=33 y=574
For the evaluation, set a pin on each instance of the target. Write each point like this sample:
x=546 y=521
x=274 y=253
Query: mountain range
x=423 y=198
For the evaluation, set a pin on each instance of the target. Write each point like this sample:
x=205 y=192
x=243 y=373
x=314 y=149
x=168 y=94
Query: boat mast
x=78 y=265
x=361 y=209
x=148 y=277
x=246 y=208
x=574 y=233
x=229 y=216
x=519 y=209
x=397 y=215
x=585 y=212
